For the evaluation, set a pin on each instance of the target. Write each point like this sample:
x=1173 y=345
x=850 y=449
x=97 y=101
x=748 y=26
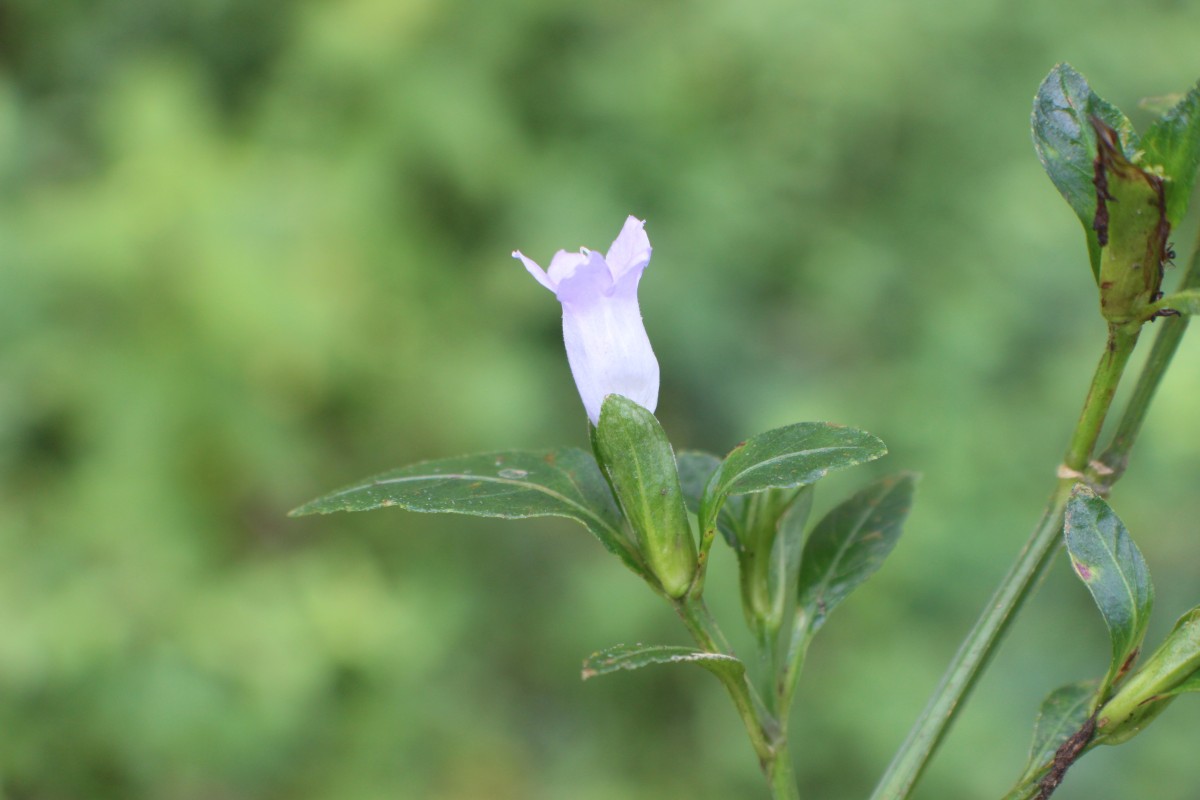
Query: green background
x=251 y=251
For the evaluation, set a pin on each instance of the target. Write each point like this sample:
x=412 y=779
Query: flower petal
x=588 y=281
x=535 y=270
x=606 y=340
x=609 y=352
x=564 y=265
x=630 y=250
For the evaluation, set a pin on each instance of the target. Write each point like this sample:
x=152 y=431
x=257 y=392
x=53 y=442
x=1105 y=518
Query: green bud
x=773 y=534
x=1170 y=671
x=1132 y=228
x=637 y=458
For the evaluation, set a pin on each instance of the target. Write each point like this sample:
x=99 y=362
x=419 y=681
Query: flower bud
x=769 y=558
x=606 y=340
x=634 y=453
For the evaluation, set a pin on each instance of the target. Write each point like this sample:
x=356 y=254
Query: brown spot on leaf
x=1128 y=662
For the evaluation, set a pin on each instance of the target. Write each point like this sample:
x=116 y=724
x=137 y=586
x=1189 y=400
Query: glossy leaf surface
x=786 y=457
x=1066 y=142
x=1107 y=560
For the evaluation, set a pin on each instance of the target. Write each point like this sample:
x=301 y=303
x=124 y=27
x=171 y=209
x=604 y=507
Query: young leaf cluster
x=660 y=512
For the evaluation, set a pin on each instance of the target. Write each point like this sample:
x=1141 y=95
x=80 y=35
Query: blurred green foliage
x=254 y=250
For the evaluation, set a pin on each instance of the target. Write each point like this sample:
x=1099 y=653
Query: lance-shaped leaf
x=850 y=543
x=1106 y=559
x=1173 y=143
x=508 y=485
x=1066 y=143
x=636 y=656
x=786 y=457
x=1063 y=713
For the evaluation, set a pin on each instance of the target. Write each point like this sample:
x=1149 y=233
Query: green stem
x=780 y=775
x=708 y=534
x=704 y=630
x=1121 y=341
x=766 y=736
x=980 y=644
x=701 y=625
x=1115 y=458
x=794 y=661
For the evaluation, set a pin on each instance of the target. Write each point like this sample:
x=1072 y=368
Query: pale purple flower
x=607 y=346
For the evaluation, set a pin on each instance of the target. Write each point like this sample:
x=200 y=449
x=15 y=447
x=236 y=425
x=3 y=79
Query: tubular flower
x=607 y=346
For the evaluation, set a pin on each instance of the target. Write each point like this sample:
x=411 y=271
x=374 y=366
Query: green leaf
x=637 y=656
x=1106 y=559
x=634 y=451
x=1063 y=712
x=695 y=470
x=1174 y=668
x=1066 y=143
x=1173 y=142
x=786 y=457
x=1169 y=671
x=850 y=543
x=508 y=485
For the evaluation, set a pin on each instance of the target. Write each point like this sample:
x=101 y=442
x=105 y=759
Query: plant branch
x=801 y=636
x=980 y=643
x=766 y=735
x=1111 y=465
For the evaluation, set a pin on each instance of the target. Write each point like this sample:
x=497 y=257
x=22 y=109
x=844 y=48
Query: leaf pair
x=1066 y=143
x=568 y=482
x=845 y=548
